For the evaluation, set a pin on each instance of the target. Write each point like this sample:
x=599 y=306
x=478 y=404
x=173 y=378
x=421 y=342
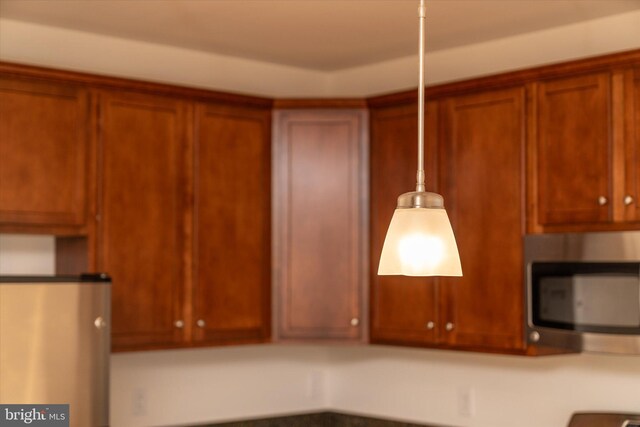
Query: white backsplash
x=27 y=254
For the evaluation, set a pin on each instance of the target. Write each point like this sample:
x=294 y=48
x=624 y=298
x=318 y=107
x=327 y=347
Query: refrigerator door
x=55 y=346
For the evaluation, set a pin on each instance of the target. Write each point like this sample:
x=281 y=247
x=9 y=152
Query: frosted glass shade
x=420 y=242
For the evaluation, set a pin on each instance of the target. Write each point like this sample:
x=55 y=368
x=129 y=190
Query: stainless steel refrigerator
x=55 y=344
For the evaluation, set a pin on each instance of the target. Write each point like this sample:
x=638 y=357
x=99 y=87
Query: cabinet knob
x=602 y=200
x=534 y=336
x=200 y=323
x=628 y=200
x=430 y=325
x=100 y=322
x=179 y=324
x=449 y=326
x=355 y=321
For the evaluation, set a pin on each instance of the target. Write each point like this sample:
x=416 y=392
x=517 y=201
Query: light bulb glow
x=420 y=242
x=419 y=251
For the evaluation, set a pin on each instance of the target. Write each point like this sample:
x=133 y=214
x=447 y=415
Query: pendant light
x=420 y=241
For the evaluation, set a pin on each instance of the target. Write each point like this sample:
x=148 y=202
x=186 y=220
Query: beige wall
x=599 y=36
x=79 y=51
x=185 y=387
x=507 y=391
x=56 y=47
x=22 y=254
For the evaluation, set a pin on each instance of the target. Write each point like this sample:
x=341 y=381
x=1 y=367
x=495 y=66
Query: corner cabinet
x=232 y=224
x=482 y=177
x=143 y=216
x=45 y=155
x=404 y=310
x=320 y=234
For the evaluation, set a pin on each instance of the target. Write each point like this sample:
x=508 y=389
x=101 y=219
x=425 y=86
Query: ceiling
x=322 y=35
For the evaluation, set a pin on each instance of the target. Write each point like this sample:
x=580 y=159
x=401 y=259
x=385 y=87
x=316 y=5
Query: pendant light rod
x=420 y=185
x=420 y=240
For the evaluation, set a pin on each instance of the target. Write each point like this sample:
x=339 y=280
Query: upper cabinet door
x=44 y=151
x=631 y=194
x=572 y=137
x=403 y=309
x=232 y=294
x=144 y=156
x=482 y=176
x=320 y=229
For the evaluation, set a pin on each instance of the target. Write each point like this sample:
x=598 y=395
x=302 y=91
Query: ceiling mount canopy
x=420 y=240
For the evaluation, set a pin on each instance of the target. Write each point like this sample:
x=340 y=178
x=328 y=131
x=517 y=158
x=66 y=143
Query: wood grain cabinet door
x=572 y=137
x=232 y=293
x=319 y=211
x=630 y=196
x=44 y=151
x=143 y=161
x=403 y=309
x=482 y=176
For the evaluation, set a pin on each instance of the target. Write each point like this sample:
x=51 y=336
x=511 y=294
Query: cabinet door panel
x=233 y=228
x=401 y=307
x=319 y=211
x=632 y=145
x=44 y=147
x=573 y=150
x=482 y=177
x=142 y=233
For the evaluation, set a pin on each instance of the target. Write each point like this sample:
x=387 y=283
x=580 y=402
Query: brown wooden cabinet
x=180 y=181
x=482 y=179
x=232 y=233
x=45 y=152
x=573 y=139
x=319 y=229
x=184 y=214
x=143 y=146
x=582 y=155
x=475 y=158
x=403 y=310
x=630 y=194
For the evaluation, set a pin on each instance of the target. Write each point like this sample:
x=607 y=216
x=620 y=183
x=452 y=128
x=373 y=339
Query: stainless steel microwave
x=583 y=291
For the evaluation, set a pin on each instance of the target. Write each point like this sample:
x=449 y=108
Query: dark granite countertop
x=321 y=419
